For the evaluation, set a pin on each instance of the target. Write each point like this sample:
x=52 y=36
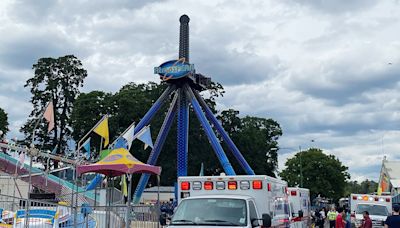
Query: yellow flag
x=124 y=186
x=102 y=130
x=379 y=191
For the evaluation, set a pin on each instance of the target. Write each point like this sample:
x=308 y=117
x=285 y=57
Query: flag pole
x=30 y=162
x=101 y=145
x=87 y=134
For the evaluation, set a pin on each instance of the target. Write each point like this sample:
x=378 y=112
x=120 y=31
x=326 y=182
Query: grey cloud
x=23 y=51
x=234 y=68
x=337 y=6
x=347 y=85
x=41 y=11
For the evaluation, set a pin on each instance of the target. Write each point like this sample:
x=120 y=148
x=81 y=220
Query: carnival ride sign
x=174 y=69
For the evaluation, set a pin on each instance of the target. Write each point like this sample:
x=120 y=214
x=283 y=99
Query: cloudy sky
x=327 y=71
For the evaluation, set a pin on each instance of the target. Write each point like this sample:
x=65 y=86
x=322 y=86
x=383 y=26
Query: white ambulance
x=299 y=200
x=231 y=201
x=378 y=207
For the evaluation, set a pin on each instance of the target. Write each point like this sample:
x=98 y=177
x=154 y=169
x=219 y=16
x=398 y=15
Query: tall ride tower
x=185 y=85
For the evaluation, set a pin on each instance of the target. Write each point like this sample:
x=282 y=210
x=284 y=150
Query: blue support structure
x=152 y=160
x=235 y=151
x=223 y=159
x=183 y=133
x=153 y=110
x=185 y=83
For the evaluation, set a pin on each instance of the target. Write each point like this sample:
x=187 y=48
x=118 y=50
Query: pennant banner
x=86 y=146
x=124 y=186
x=145 y=137
x=120 y=143
x=102 y=130
x=129 y=136
x=49 y=116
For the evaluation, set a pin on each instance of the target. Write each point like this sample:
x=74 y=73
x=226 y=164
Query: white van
x=231 y=201
x=378 y=207
x=299 y=200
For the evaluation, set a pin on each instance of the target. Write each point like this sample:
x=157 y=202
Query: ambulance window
x=253 y=212
x=281 y=208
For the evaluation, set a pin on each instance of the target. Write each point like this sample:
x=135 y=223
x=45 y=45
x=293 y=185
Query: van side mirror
x=266 y=218
x=301 y=214
x=254 y=223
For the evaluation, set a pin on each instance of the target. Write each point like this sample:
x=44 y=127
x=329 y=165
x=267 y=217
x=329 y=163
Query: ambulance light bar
x=222 y=185
x=232 y=185
x=196 y=185
x=208 y=185
x=368 y=198
x=257 y=184
x=244 y=185
x=185 y=185
x=293 y=193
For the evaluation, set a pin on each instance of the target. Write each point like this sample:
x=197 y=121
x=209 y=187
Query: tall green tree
x=88 y=110
x=323 y=174
x=254 y=137
x=3 y=122
x=57 y=80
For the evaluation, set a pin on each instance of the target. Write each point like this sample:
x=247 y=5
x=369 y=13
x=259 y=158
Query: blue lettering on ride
x=174 y=69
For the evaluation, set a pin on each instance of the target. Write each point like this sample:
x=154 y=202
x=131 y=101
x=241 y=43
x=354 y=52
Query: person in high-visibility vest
x=332 y=214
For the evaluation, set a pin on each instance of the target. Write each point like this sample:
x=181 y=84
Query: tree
x=88 y=110
x=365 y=187
x=3 y=122
x=323 y=174
x=57 y=80
x=254 y=137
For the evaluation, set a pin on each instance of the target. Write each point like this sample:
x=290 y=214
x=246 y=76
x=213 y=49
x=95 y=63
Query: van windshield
x=214 y=211
x=372 y=209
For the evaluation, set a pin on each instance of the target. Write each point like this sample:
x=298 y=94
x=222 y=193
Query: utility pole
x=301 y=168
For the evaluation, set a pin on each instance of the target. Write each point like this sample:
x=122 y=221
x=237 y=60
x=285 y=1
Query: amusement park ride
x=185 y=85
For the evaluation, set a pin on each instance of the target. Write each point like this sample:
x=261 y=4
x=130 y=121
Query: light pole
x=300 y=158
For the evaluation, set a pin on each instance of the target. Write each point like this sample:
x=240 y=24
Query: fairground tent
x=117 y=163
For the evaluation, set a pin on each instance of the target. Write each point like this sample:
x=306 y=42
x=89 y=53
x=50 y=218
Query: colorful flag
x=49 y=116
x=129 y=135
x=86 y=146
x=102 y=130
x=124 y=186
x=145 y=136
x=120 y=143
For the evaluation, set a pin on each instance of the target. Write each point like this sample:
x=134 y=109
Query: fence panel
x=49 y=214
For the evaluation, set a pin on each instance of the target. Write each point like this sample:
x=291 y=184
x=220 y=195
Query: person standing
x=322 y=218
x=348 y=218
x=332 y=214
x=318 y=219
x=393 y=221
x=367 y=223
x=340 y=223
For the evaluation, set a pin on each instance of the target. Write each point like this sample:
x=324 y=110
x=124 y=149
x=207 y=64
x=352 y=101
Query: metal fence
x=49 y=214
